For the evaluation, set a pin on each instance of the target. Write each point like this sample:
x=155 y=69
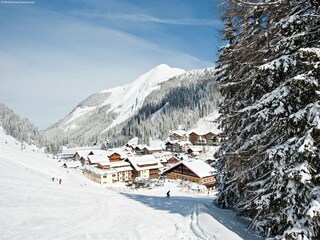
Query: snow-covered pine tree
x=20 y=128
x=270 y=164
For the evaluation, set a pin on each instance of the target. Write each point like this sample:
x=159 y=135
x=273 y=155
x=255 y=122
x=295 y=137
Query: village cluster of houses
x=133 y=161
x=192 y=141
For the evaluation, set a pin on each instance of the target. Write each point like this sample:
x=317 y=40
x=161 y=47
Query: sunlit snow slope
x=32 y=206
x=120 y=102
x=126 y=100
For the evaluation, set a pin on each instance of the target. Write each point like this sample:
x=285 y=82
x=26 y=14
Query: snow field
x=34 y=207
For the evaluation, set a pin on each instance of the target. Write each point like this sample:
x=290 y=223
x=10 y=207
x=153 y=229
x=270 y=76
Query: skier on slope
x=168 y=194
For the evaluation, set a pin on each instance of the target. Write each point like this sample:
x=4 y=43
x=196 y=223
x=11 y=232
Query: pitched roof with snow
x=150 y=148
x=179 y=132
x=83 y=153
x=121 y=151
x=162 y=154
x=133 y=141
x=138 y=162
x=119 y=164
x=74 y=150
x=101 y=153
x=73 y=164
x=97 y=158
x=200 y=132
x=199 y=167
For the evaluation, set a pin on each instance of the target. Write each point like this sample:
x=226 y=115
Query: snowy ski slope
x=32 y=206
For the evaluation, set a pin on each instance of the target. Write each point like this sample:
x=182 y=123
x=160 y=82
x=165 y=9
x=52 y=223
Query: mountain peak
x=158 y=75
x=166 y=68
x=107 y=112
x=122 y=101
x=162 y=66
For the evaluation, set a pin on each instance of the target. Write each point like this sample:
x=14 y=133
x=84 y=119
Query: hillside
x=20 y=128
x=155 y=103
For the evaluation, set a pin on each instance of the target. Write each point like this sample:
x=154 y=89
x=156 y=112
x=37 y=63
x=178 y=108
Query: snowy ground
x=32 y=206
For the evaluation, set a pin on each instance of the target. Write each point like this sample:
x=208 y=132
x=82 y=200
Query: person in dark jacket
x=168 y=194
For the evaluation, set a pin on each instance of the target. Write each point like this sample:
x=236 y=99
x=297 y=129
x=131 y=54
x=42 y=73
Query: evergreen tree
x=269 y=76
x=19 y=128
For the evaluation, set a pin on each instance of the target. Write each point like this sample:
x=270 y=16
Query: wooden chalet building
x=144 y=149
x=173 y=147
x=107 y=172
x=146 y=166
x=173 y=160
x=195 y=150
x=138 y=150
x=94 y=159
x=193 y=171
x=178 y=146
x=178 y=135
x=82 y=155
x=114 y=157
x=91 y=157
x=147 y=150
x=75 y=153
x=201 y=138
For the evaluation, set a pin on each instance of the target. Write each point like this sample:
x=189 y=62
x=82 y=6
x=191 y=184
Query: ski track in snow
x=196 y=228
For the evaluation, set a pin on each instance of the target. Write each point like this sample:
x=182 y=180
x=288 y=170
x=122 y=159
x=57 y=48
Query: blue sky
x=54 y=53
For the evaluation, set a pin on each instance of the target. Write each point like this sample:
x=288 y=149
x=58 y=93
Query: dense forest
x=269 y=75
x=19 y=128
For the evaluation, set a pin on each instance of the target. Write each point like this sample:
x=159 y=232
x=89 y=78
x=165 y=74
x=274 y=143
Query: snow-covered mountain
x=121 y=102
x=105 y=113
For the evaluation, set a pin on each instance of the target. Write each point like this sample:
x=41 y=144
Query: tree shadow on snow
x=185 y=206
x=181 y=205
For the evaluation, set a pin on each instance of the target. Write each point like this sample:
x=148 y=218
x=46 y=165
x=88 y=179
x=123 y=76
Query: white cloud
x=152 y=19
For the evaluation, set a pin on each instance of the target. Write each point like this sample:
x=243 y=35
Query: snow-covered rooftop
x=73 y=164
x=138 y=161
x=179 y=132
x=199 y=167
x=206 y=125
x=119 y=164
x=84 y=153
x=74 y=150
x=162 y=154
x=133 y=141
x=113 y=164
x=97 y=158
x=150 y=148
